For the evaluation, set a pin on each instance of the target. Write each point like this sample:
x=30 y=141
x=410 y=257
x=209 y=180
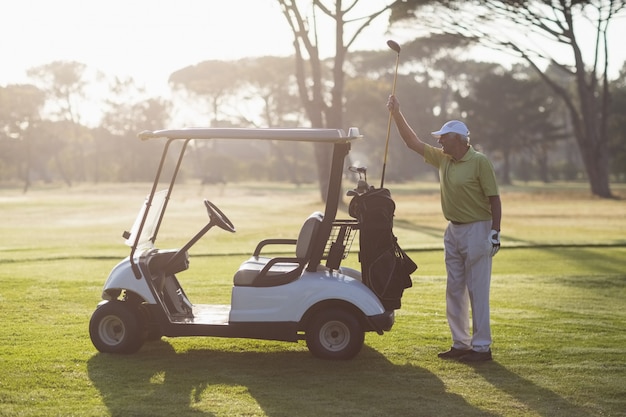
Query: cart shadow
x=158 y=380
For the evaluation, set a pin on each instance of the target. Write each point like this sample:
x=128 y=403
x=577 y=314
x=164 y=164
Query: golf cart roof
x=279 y=134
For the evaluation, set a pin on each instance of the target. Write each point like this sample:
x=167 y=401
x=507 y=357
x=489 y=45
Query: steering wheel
x=218 y=217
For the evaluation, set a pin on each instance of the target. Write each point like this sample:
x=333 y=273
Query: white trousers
x=468 y=264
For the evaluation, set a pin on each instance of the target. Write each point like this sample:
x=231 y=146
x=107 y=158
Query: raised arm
x=406 y=132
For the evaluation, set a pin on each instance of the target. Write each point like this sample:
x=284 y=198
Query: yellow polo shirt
x=466 y=184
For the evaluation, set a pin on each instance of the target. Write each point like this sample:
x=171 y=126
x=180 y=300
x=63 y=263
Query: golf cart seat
x=259 y=271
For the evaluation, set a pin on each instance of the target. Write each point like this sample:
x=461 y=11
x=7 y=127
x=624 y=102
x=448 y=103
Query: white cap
x=453 y=126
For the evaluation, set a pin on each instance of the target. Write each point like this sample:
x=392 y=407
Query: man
x=471 y=203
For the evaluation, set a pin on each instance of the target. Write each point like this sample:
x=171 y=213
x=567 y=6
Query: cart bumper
x=382 y=322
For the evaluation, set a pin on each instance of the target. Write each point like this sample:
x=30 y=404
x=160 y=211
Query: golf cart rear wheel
x=115 y=327
x=334 y=334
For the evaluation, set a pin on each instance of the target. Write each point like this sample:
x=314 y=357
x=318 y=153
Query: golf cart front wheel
x=334 y=334
x=115 y=327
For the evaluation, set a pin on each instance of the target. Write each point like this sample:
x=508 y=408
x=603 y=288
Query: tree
x=210 y=80
x=515 y=116
x=499 y=23
x=20 y=107
x=268 y=83
x=65 y=84
x=617 y=127
x=422 y=92
x=322 y=100
x=128 y=110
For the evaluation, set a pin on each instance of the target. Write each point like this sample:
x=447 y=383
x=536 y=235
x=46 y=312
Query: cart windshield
x=146 y=234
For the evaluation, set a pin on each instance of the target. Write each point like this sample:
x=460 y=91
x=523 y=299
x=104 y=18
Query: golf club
x=394 y=46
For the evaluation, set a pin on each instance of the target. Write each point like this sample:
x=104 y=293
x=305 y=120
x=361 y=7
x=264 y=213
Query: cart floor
x=209 y=314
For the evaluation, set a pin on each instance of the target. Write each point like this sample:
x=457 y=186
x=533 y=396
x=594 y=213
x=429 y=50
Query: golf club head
x=393 y=45
x=361 y=188
x=362 y=171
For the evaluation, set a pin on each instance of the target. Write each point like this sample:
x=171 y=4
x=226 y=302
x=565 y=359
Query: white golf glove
x=494 y=238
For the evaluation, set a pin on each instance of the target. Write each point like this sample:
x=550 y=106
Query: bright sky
x=150 y=39
x=145 y=39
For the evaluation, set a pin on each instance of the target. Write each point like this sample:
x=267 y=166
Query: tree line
x=530 y=131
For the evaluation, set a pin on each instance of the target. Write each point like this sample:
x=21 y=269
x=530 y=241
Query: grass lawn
x=558 y=312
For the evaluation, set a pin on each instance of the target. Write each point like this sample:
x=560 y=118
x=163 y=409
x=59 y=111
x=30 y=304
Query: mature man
x=470 y=201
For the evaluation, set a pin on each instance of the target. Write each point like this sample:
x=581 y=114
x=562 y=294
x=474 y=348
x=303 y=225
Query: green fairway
x=558 y=312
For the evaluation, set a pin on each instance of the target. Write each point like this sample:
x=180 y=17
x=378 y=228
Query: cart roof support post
x=333 y=196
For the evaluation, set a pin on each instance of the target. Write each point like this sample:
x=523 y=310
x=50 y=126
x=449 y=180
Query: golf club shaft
x=393 y=92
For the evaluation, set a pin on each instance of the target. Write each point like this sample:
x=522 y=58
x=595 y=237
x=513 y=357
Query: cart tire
x=334 y=334
x=116 y=327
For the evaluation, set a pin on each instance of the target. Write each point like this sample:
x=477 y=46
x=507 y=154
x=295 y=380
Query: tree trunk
x=591 y=136
x=596 y=160
x=28 y=166
x=506 y=167
x=311 y=93
x=544 y=172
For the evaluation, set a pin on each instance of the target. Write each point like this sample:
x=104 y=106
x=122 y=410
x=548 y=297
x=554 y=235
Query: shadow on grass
x=421 y=228
x=601 y=260
x=159 y=381
x=537 y=400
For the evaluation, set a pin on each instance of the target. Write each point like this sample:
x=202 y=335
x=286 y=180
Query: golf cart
x=308 y=295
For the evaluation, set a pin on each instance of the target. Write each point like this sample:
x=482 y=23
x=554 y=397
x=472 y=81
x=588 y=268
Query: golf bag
x=385 y=267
